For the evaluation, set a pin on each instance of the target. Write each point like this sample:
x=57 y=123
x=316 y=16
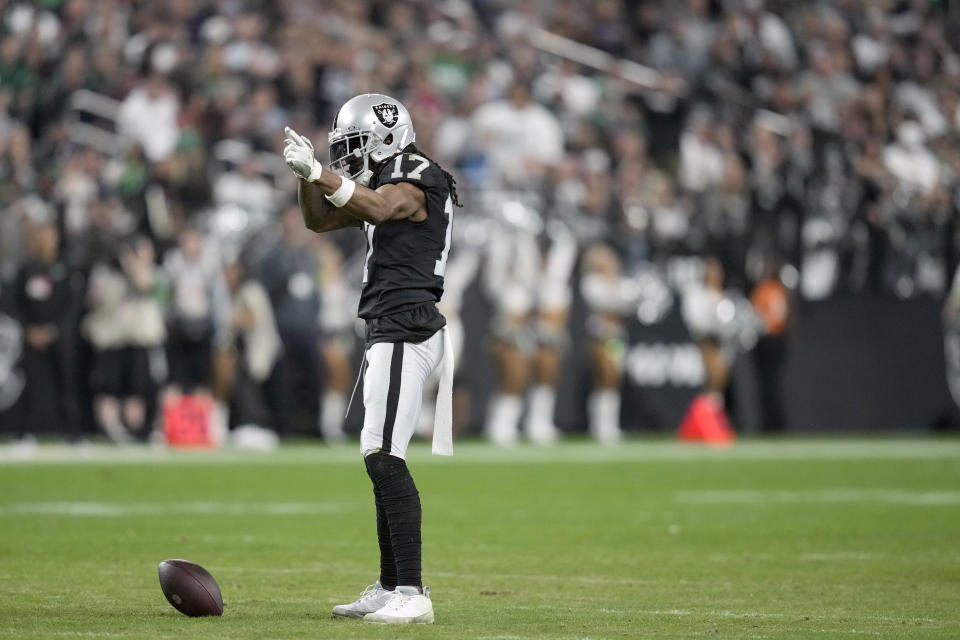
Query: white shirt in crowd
x=910 y=161
x=151 y=121
x=511 y=136
x=701 y=163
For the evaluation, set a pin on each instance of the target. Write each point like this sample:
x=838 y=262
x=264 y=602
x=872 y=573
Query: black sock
x=388 y=566
x=401 y=505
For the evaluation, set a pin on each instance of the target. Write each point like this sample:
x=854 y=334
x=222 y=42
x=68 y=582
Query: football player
x=378 y=180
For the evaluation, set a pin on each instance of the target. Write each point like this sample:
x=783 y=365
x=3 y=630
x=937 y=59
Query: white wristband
x=343 y=193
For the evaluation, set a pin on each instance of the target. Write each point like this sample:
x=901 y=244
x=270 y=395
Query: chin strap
x=443 y=417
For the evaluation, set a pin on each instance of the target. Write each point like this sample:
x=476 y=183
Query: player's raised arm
x=330 y=201
x=389 y=202
x=319 y=214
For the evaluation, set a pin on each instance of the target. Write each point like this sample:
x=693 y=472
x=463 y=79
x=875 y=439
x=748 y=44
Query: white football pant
x=393 y=392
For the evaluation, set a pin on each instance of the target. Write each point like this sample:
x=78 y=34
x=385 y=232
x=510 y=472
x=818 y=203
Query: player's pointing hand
x=298 y=154
x=295 y=138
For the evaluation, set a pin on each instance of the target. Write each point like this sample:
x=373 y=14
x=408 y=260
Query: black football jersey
x=405 y=260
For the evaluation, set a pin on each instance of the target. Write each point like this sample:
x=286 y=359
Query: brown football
x=190 y=588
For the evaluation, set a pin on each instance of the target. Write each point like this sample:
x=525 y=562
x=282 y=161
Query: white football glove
x=298 y=154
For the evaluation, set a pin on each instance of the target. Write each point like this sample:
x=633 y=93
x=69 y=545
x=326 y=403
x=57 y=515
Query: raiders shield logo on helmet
x=387 y=114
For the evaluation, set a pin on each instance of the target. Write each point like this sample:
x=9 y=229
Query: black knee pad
x=397 y=492
x=390 y=475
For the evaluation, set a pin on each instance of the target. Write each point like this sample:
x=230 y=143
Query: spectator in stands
x=701 y=159
x=77 y=189
x=911 y=162
x=520 y=138
x=256 y=400
x=149 y=116
x=12 y=238
x=289 y=274
x=46 y=305
x=18 y=175
x=198 y=313
x=125 y=326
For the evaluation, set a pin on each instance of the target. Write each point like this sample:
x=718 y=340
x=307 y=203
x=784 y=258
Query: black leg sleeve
x=388 y=566
x=401 y=505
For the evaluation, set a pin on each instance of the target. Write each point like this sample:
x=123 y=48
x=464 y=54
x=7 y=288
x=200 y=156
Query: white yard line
x=84 y=634
x=88 y=509
x=835 y=495
x=585 y=579
x=636 y=450
x=778 y=615
x=539 y=637
x=839 y=556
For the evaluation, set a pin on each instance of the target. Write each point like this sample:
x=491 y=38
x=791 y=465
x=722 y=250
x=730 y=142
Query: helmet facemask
x=350 y=155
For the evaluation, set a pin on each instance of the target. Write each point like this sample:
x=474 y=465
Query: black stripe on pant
x=393 y=396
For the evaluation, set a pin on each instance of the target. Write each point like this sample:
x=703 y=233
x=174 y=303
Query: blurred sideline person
x=772 y=302
x=337 y=324
x=609 y=301
x=254 y=395
x=550 y=330
x=45 y=307
x=124 y=324
x=198 y=312
x=407 y=217
x=511 y=276
x=530 y=289
x=289 y=274
x=700 y=302
x=700 y=307
x=723 y=323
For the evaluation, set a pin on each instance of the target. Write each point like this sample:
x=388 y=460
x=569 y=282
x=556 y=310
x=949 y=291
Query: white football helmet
x=368 y=129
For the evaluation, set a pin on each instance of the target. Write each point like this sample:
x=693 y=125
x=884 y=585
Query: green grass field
x=792 y=539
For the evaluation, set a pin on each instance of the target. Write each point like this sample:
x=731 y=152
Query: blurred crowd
x=150 y=239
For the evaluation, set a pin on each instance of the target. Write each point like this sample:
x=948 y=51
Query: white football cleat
x=372 y=599
x=406 y=606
